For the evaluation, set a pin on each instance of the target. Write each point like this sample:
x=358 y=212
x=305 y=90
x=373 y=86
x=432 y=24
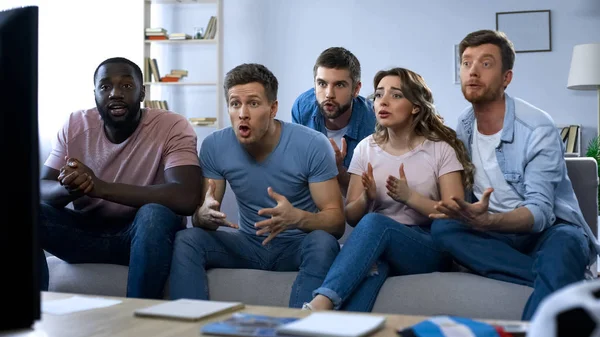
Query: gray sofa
x=454 y=293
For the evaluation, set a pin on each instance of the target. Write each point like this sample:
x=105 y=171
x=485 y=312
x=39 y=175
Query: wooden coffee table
x=118 y=320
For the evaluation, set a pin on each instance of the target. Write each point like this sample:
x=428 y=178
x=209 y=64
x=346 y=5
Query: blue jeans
x=396 y=248
x=145 y=244
x=197 y=250
x=546 y=261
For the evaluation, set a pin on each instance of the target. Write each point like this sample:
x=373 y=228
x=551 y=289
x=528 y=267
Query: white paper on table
x=75 y=304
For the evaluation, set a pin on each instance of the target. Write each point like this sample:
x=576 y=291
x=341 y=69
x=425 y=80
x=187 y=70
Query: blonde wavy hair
x=426 y=123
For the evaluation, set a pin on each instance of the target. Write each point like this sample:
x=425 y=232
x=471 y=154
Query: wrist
x=297 y=218
x=411 y=197
x=101 y=189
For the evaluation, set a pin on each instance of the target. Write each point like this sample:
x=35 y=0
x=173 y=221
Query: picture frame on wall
x=456 y=65
x=529 y=31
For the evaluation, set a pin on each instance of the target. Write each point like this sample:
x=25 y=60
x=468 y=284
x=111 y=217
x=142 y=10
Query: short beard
x=341 y=109
x=131 y=119
x=489 y=95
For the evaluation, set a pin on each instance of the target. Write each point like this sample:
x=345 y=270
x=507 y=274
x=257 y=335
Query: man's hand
x=368 y=182
x=475 y=215
x=77 y=178
x=283 y=216
x=398 y=189
x=339 y=154
x=208 y=215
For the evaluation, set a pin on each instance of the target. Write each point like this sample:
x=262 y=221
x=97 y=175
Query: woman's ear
x=416 y=110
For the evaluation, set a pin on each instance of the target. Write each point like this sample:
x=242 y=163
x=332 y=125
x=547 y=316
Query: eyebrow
x=393 y=88
x=482 y=56
x=104 y=79
x=336 y=82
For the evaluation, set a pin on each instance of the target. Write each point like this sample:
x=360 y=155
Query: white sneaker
x=307 y=306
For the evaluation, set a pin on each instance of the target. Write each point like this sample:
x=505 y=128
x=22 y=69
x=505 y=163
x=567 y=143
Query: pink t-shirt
x=162 y=140
x=422 y=167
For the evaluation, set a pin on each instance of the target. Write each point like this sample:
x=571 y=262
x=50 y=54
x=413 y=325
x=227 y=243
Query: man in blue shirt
x=335 y=108
x=283 y=176
x=530 y=230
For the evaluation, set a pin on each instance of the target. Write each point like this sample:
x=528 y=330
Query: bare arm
x=330 y=218
x=51 y=191
x=357 y=204
x=211 y=203
x=518 y=220
x=180 y=192
x=450 y=186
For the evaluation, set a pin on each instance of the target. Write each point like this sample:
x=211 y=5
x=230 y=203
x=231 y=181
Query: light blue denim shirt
x=305 y=111
x=531 y=157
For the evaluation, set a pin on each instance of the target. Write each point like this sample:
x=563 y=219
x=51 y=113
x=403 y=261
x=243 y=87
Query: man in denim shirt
x=334 y=107
x=530 y=230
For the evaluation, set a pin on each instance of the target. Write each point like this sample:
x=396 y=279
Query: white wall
x=287 y=37
x=70 y=48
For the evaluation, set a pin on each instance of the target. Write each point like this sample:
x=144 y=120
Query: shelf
x=188 y=41
x=182 y=83
x=180 y=2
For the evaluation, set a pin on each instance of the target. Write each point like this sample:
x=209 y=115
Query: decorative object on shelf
x=584 y=73
x=529 y=31
x=198 y=33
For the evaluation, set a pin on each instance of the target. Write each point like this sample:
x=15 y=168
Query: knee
x=321 y=244
x=155 y=219
x=571 y=242
x=190 y=237
x=443 y=230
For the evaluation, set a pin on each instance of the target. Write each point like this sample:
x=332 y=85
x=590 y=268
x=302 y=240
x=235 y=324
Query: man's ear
x=508 y=75
x=142 y=93
x=274 y=108
x=357 y=89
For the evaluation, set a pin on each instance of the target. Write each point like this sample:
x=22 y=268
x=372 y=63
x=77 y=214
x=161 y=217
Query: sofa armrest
x=583 y=172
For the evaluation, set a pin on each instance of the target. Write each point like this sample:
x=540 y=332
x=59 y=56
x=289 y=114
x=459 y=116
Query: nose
x=474 y=70
x=330 y=92
x=383 y=100
x=116 y=92
x=244 y=112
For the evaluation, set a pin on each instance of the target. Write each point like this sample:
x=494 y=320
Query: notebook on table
x=189 y=310
x=332 y=324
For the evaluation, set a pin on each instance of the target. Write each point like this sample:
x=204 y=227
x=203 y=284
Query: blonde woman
x=398 y=174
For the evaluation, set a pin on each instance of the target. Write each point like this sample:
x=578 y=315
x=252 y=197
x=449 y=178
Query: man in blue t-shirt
x=283 y=176
x=334 y=107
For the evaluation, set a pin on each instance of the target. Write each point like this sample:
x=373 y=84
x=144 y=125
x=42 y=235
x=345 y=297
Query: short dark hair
x=507 y=49
x=339 y=58
x=136 y=69
x=252 y=72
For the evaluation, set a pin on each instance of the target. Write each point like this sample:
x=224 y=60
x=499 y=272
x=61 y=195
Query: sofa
x=459 y=292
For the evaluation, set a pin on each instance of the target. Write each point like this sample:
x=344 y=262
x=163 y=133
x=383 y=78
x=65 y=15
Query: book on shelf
x=211 y=28
x=157 y=33
x=569 y=134
x=203 y=121
x=156 y=104
x=179 y=36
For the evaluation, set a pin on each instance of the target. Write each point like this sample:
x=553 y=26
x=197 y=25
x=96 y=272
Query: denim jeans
x=400 y=250
x=144 y=244
x=546 y=261
x=197 y=250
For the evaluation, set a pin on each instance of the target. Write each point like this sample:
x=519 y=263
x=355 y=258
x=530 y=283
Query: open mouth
x=244 y=130
x=117 y=109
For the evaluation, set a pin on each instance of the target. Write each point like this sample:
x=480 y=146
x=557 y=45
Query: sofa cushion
x=454 y=293
x=87 y=278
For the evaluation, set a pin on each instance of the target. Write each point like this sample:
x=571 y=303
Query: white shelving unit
x=200 y=93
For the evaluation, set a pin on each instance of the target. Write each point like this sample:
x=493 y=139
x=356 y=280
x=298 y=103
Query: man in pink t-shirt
x=132 y=175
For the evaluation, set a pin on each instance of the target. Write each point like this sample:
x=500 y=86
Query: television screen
x=19 y=249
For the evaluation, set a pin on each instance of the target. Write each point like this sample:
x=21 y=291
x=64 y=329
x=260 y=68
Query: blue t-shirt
x=302 y=156
x=306 y=111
